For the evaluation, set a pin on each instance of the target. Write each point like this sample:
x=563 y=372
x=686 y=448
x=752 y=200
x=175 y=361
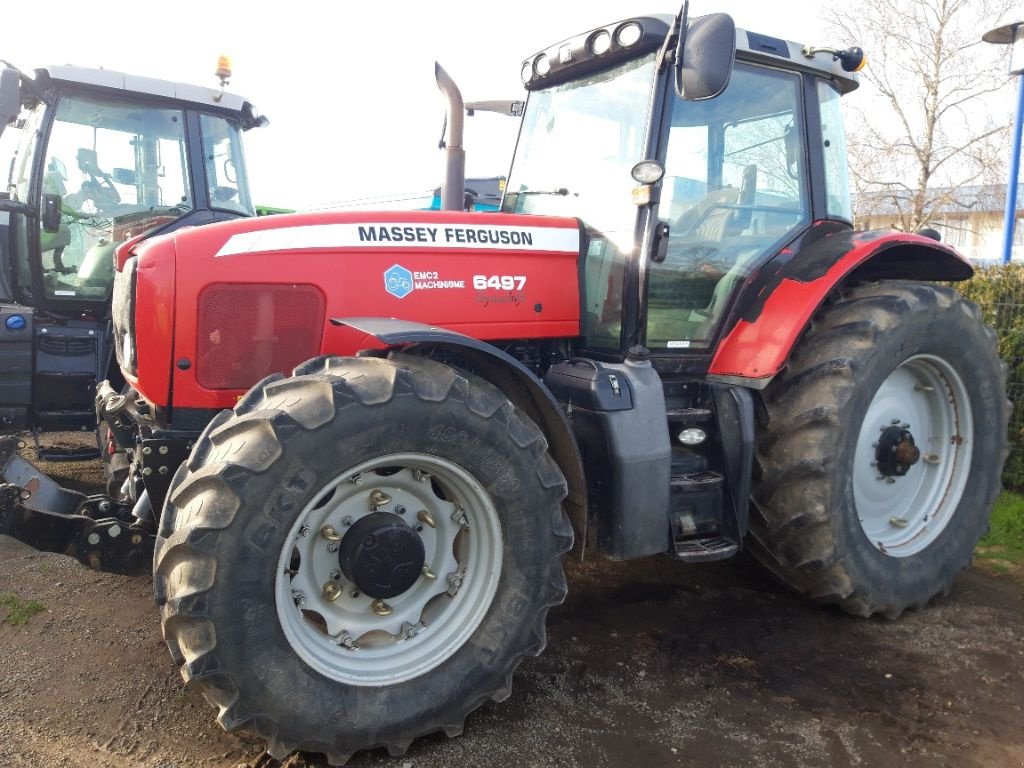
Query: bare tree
x=920 y=136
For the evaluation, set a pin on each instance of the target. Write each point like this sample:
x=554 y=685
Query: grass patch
x=19 y=611
x=1001 y=550
x=1006 y=534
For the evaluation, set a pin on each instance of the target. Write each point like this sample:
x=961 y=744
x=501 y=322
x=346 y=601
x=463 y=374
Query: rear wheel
x=361 y=554
x=882 y=448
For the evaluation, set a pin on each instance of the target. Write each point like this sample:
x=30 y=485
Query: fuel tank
x=216 y=308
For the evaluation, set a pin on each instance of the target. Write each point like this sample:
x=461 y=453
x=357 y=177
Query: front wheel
x=361 y=554
x=881 y=451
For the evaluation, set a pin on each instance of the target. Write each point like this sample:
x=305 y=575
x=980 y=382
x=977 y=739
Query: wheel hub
x=382 y=555
x=902 y=511
x=897 y=452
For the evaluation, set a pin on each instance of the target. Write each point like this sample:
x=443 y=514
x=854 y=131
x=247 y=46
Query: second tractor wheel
x=361 y=554
x=882 y=448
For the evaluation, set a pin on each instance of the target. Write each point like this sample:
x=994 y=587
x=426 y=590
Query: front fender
x=776 y=303
x=514 y=379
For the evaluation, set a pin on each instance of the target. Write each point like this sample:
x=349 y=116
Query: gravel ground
x=649 y=663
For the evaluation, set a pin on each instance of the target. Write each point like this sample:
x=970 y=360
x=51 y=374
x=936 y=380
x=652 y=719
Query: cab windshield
x=578 y=143
x=119 y=169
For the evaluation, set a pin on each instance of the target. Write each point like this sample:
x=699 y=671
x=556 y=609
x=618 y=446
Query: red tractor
x=364 y=441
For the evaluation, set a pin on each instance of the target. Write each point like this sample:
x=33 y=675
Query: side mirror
x=708 y=51
x=10 y=96
x=51 y=213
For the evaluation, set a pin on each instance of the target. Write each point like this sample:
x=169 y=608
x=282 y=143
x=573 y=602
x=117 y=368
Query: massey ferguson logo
x=400 y=282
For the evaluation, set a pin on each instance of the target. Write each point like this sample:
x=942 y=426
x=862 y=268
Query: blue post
x=1011 y=188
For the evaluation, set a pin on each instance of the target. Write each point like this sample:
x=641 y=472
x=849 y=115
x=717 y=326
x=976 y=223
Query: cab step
x=688 y=415
x=704 y=550
x=697 y=511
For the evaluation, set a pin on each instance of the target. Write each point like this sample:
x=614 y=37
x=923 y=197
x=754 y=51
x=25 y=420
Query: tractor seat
x=708 y=220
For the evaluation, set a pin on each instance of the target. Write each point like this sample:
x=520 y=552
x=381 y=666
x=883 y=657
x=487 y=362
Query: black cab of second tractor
x=102 y=157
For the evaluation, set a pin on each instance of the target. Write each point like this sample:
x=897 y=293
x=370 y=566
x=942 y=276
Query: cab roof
x=209 y=98
x=576 y=55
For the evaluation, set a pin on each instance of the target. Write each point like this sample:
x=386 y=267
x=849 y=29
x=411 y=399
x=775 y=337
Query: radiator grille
x=247 y=332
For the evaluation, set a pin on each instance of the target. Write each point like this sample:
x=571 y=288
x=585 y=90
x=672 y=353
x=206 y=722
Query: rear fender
x=515 y=380
x=776 y=303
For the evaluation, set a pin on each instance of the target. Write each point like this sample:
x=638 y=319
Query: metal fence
x=999 y=292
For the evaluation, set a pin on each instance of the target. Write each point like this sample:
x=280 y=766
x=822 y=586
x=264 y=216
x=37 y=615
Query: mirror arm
x=684 y=20
x=665 y=55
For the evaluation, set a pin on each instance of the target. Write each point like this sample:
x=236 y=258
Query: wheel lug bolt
x=335 y=575
x=424 y=517
x=328 y=532
x=399 y=510
x=427 y=574
x=347 y=520
x=354 y=593
x=304 y=531
x=381 y=608
x=378 y=499
x=331 y=591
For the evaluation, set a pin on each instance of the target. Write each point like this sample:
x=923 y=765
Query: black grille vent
x=66 y=347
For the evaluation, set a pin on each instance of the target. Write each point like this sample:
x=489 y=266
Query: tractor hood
x=214 y=309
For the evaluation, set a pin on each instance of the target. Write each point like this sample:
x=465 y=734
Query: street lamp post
x=1012 y=34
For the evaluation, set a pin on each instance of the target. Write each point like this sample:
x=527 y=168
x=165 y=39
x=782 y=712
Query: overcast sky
x=349 y=87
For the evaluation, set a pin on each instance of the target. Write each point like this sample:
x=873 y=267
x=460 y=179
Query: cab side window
x=734 y=190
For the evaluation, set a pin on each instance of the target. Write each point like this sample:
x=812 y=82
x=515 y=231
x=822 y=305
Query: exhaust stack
x=453 y=187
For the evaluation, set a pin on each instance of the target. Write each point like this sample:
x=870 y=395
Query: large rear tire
x=313 y=638
x=881 y=451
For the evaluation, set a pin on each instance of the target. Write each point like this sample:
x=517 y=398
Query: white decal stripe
x=404 y=235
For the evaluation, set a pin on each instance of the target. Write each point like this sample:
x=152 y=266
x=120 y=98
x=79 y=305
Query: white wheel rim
x=902 y=515
x=344 y=638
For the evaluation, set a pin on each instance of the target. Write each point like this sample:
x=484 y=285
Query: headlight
x=123 y=312
x=629 y=34
x=600 y=42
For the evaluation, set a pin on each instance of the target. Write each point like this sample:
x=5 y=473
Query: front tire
x=301 y=634
x=881 y=451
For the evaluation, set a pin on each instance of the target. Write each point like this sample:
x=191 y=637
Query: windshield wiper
x=561 y=192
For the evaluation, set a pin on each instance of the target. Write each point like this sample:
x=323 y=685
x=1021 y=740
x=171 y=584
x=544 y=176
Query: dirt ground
x=649 y=663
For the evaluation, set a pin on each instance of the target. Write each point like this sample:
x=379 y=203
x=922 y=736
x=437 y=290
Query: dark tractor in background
x=102 y=157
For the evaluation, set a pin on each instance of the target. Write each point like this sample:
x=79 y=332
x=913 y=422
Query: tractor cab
x=684 y=190
x=102 y=158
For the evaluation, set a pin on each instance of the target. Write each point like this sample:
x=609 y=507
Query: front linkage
x=98 y=531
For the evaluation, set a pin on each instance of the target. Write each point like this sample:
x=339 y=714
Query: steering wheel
x=99 y=187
